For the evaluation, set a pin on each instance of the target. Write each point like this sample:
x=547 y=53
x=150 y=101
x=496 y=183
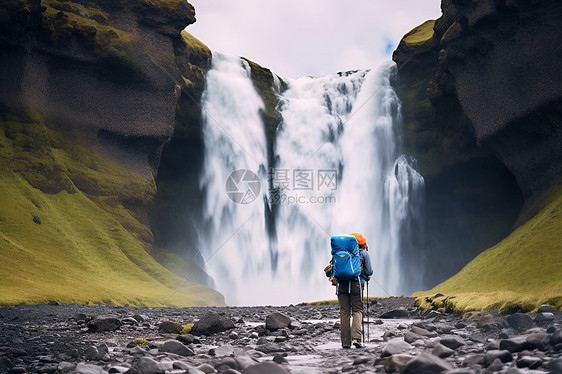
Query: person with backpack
x=348 y=270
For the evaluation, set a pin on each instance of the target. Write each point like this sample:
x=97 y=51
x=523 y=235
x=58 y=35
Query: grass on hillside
x=89 y=247
x=420 y=34
x=518 y=274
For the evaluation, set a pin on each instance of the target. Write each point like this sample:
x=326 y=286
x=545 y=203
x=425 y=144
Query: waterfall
x=337 y=170
x=235 y=241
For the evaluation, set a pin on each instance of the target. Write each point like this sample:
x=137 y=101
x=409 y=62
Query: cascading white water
x=235 y=241
x=337 y=171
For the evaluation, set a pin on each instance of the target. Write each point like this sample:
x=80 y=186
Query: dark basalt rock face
x=482 y=96
x=108 y=67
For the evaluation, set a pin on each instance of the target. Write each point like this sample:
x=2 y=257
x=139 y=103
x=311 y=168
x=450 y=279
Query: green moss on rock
x=91 y=243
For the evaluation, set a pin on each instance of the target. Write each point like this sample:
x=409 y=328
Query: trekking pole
x=368 y=333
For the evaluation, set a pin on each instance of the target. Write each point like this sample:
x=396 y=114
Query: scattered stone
x=205 y=368
x=395 y=363
x=174 y=346
x=89 y=369
x=276 y=321
x=495 y=365
x=118 y=369
x=519 y=321
x=169 y=327
x=266 y=367
x=104 y=323
x=211 y=323
x=503 y=356
x=544 y=317
x=442 y=352
x=37 y=220
x=395 y=346
x=223 y=350
x=54 y=303
x=360 y=361
x=529 y=362
x=279 y=358
x=145 y=365
x=452 y=341
x=475 y=359
x=65 y=367
x=91 y=353
x=556 y=337
x=410 y=337
x=426 y=363
x=395 y=314
x=545 y=308
x=269 y=347
x=555 y=366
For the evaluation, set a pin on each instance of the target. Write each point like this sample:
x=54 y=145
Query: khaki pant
x=350 y=303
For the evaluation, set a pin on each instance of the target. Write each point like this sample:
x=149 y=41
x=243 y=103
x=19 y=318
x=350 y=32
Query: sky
x=309 y=37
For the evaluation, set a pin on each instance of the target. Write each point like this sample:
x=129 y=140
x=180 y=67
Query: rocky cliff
x=482 y=92
x=88 y=97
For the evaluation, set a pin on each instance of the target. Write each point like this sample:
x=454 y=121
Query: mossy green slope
x=91 y=245
x=518 y=274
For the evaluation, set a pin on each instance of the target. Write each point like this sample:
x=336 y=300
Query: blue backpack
x=345 y=257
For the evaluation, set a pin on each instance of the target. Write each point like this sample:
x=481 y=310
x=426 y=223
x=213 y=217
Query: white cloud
x=310 y=37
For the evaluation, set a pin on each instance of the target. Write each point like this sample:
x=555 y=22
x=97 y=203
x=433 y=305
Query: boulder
x=266 y=367
x=82 y=368
x=529 y=362
x=555 y=366
x=394 y=314
x=545 y=308
x=174 y=346
x=104 y=323
x=169 y=327
x=502 y=355
x=395 y=363
x=452 y=341
x=426 y=363
x=441 y=351
x=556 y=337
x=276 y=321
x=544 y=317
x=517 y=344
x=395 y=346
x=211 y=323
x=145 y=365
x=519 y=321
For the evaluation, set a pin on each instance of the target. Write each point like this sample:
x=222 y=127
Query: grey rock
x=91 y=353
x=503 y=356
x=181 y=365
x=494 y=366
x=556 y=337
x=169 y=327
x=104 y=323
x=223 y=350
x=37 y=220
x=118 y=369
x=475 y=359
x=442 y=352
x=544 y=317
x=529 y=362
x=65 y=367
x=279 y=358
x=270 y=348
x=129 y=321
x=173 y=346
x=426 y=363
x=396 y=362
x=211 y=323
x=295 y=324
x=266 y=367
x=360 y=361
x=206 y=368
x=145 y=365
x=395 y=346
x=545 y=308
x=519 y=321
x=421 y=331
x=197 y=371
x=17 y=370
x=410 y=337
x=276 y=321
x=244 y=362
x=394 y=314
x=82 y=368
x=452 y=341
x=227 y=361
x=517 y=344
x=555 y=366
x=188 y=339
x=460 y=371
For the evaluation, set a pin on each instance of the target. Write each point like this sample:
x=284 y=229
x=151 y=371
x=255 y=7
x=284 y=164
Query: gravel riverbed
x=274 y=339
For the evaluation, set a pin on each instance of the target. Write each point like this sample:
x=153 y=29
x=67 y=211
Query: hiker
x=349 y=290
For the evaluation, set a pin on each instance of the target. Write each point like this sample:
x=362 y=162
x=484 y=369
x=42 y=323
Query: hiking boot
x=357 y=344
